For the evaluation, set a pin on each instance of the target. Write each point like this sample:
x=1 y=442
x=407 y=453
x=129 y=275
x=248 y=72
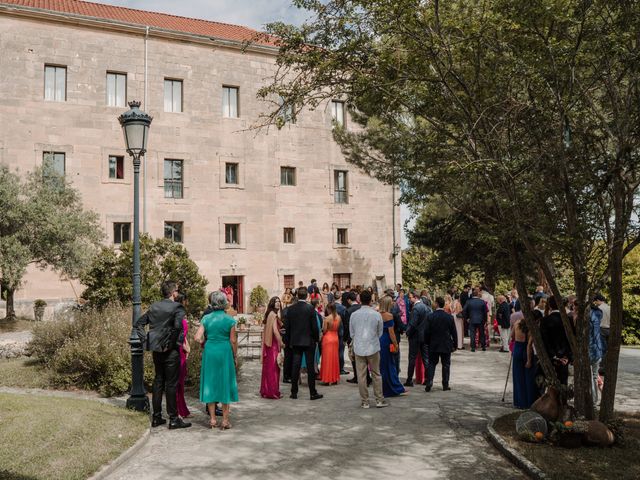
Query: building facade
x=252 y=207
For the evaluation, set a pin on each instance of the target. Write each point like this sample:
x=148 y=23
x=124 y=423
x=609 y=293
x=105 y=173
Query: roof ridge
x=157 y=13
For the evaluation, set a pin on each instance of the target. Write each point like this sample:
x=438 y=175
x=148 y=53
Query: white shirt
x=606 y=315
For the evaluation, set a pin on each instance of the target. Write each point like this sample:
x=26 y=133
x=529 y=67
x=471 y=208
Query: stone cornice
x=131 y=28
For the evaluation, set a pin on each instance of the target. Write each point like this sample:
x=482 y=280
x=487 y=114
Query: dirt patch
x=586 y=463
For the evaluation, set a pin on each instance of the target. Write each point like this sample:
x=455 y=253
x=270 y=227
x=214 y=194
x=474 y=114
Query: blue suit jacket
x=475 y=310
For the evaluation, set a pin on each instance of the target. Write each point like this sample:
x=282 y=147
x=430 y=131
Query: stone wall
x=87 y=131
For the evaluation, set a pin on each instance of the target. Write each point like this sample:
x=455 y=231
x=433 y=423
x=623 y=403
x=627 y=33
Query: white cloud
x=250 y=13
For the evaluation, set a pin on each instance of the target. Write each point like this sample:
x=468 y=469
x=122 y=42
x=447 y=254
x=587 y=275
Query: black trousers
x=309 y=355
x=446 y=367
x=472 y=334
x=287 y=366
x=167 y=368
x=341 y=353
x=416 y=347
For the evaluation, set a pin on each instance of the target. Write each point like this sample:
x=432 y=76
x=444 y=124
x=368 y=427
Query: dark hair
x=330 y=309
x=353 y=296
x=313 y=280
x=415 y=293
x=440 y=302
x=271 y=307
x=315 y=302
x=365 y=297
x=599 y=298
x=302 y=293
x=182 y=298
x=553 y=303
x=325 y=284
x=466 y=285
x=167 y=288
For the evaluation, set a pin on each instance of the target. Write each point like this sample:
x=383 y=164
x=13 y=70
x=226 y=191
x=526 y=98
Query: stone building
x=270 y=207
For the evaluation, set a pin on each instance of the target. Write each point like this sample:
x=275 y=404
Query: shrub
x=259 y=297
x=108 y=280
x=89 y=351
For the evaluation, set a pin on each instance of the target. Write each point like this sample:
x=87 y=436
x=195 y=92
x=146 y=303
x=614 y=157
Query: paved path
x=421 y=436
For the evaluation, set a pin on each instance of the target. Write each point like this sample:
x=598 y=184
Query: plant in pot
x=242 y=323
x=258 y=299
x=38 y=309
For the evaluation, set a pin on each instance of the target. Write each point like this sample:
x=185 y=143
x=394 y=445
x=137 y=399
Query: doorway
x=236 y=282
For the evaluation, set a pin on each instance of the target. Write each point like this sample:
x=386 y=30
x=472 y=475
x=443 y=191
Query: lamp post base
x=138 y=403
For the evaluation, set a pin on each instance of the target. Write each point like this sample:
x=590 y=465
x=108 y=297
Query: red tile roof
x=142 y=17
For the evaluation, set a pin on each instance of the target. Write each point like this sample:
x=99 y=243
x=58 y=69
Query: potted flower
x=258 y=299
x=38 y=309
x=242 y=323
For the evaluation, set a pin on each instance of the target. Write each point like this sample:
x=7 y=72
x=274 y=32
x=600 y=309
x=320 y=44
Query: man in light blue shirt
x=366 y=327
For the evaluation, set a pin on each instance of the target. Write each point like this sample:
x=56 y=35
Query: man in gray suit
x=164 y=339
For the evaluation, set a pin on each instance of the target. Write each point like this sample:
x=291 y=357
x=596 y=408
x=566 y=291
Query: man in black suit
x=164 y=339
x=415 y=335
x=475 y=311
x=302 y=334
x=440 y=335
x=287 y=366
x=465 y=295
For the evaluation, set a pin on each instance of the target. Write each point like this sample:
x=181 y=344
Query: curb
x=512 y=455
x=110 y=467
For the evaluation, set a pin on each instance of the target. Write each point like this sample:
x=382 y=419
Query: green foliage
x=259 y=297
x=89 y=351
x=39 y=303
x=109 y=281
x=42 y=223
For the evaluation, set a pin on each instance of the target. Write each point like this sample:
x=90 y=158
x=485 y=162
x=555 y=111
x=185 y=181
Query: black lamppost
x=135 y=126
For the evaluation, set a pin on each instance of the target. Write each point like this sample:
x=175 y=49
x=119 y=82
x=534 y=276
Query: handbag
x=392 y=348
x=280 y=359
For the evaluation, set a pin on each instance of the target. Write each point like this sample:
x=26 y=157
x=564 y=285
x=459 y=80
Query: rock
x=15 y=344
x=598 y=434
x=548 y=405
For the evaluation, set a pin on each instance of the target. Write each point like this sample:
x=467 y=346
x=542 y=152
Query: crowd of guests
x=306 y=331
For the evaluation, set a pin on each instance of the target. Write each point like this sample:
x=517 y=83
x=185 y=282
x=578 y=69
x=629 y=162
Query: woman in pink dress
x=183 y=410
x=271 y=345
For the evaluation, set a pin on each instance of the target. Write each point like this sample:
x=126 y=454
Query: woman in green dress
x=217 y=333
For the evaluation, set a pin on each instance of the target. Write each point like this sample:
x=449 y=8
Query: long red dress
x=329 y=363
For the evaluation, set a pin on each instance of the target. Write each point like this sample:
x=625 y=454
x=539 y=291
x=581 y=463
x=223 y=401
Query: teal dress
x=218 y=372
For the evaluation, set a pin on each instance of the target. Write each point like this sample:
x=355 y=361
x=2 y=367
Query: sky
x=250 y=13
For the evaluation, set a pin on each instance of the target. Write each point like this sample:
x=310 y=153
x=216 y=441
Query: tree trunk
x=534 y=328
x=615 y=333
x=10 y=311
x=490 y=278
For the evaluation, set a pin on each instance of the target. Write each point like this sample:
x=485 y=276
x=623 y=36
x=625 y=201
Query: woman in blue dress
x=391 y=385
x=217 y=333
x=525 y=390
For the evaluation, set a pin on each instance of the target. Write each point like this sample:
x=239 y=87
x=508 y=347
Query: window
x=287 y=176
x=286 y=111
x=337 y=112
x=343 y=237
x=53 y=163
x=116 y=167
x=55 y=83
x=289 y=281
x=116 y=89
x=289 y=235
x=232 y=233
x=340 y=187
x=342 y=279
x=173 y=231
x=231 y=173
x=230 y=102
x=172 y=95
x=173 y=179
x=121 y=232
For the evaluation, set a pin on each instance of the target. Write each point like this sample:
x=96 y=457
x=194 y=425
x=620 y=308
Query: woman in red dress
x=330 y=363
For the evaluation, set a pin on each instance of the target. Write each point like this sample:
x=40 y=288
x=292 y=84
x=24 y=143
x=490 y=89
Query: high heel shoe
x=213 y=424
x=225 y=426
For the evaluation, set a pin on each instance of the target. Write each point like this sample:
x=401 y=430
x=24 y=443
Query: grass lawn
x=619 y=462
x=60 y=438
x=23 y=373
x=17 y=325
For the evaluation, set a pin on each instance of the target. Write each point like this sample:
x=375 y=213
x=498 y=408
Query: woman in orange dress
x=329 y=363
